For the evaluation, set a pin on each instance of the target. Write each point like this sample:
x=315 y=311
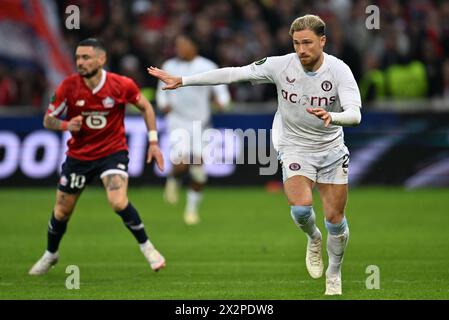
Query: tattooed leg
x=65 y=203
x=116 y=186
x=115 y=182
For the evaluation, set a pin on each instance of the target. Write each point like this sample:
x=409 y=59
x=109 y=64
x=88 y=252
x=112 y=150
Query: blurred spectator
x=341 y=47
x=373 y=83
x=433 y=65
x=130 y=66
x=406 y=81
x=8 y=88
x=31 y=86
x=446 y=79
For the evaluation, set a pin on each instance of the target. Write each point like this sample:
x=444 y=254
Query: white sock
x=173 y=180
x=145 y=245
x=310 y=228
x=336 y=244
x=306 y=224
x=48 y=254
x=193 y=200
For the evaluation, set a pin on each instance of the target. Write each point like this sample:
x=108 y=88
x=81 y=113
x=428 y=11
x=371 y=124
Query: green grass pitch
x=246 y=247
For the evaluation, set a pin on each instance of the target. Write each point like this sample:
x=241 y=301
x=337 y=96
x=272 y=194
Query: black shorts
x=76 y=174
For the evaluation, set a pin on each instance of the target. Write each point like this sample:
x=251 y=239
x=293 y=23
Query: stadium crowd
x=407 y=57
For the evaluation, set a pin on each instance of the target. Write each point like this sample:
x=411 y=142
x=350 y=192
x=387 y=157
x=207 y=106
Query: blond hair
x=308 y=22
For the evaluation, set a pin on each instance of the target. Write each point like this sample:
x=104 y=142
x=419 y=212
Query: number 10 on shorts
x=77 y=181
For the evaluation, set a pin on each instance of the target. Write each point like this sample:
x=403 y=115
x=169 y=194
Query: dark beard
x=90 y=74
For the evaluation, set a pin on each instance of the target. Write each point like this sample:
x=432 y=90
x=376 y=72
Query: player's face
x=185 y=49
x=89 y=61
x=308 y=46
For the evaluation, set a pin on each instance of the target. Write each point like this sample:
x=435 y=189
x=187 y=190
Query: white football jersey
x=189 y=103
x=331 y=87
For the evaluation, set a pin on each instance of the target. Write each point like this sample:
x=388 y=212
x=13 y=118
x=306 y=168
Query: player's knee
x=334 y=215
x=62 y=213
x=118 y=203
x=198 y=174
x=179 y=169
x=302 y=199
x=64 y=206
x=301 y=213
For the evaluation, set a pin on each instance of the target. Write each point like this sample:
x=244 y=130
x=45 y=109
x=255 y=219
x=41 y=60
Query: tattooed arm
x=56 y=124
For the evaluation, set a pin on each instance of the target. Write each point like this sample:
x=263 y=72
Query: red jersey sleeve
x=58 y=102
x=132 y=91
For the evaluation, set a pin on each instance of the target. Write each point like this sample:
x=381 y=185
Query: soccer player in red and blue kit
x=94 y=102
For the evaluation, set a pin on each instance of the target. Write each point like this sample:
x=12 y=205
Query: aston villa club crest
x=294 y=166
x=108 y=102
x=326 y=85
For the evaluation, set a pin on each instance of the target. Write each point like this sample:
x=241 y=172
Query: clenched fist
x=74 y=124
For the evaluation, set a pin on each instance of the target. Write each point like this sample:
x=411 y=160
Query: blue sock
x=56 y=230
x=336 y=229
x=131 y=219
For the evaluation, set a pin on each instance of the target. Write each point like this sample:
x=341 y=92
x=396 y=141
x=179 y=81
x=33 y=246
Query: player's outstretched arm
x=171 y=82
x=213 y=77
x=150 y=120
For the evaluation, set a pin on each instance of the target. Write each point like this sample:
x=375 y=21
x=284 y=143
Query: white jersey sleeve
x=348 y=91
x=262 y=71
x=349 y=95
x=350 y=117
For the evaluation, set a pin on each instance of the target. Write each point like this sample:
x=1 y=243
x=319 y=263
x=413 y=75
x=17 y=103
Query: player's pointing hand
x=171 y=82
x=322 y=114
x=154 y=151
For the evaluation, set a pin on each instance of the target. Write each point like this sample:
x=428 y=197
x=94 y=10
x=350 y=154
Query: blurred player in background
x=188 y=108
x=317 y=95
x=94 y=101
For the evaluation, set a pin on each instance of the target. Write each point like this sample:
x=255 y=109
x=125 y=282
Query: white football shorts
x=330 y=166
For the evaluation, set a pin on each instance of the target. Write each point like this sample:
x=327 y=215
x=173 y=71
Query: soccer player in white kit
x=185 y=110
x=317 y=96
